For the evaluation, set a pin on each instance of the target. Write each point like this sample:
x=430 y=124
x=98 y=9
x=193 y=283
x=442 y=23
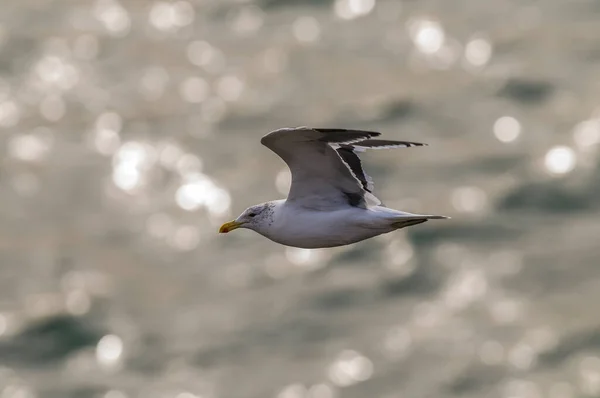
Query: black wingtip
x=385 y=144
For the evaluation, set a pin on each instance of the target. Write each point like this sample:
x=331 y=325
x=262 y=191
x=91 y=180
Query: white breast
x=301 y=227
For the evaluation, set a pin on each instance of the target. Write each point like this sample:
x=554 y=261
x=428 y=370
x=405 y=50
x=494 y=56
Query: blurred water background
x=130 y=131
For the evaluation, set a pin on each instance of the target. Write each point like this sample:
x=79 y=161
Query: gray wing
x=326 y=170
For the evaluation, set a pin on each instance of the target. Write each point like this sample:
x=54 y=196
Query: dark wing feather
x=353 y=162
x=386 y=144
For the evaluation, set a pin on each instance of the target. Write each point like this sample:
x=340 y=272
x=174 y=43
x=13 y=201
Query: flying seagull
x=331 y=201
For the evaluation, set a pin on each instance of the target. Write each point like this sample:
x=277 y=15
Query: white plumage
x=331 y=201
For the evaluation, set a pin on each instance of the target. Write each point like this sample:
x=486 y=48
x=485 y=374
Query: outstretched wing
x=326 y=170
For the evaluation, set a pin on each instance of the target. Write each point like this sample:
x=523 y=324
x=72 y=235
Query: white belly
x=316 y=229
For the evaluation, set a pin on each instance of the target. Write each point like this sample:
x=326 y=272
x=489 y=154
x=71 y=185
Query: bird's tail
x=414 y=219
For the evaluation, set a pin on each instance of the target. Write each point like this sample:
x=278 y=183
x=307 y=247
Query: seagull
x=330 y=201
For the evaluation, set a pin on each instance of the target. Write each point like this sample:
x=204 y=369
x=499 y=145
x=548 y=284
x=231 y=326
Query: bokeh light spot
x=166 y=16
x=109 y=351
x=349 y=368
x=560 y=160
x=306 y=29
x=427 y=35
x=351 y=9
x=247 y=20
x=587 y=133
x=507 y=129
x=469 y=199
x=10 y=113
x=194 y=89
x=113 y=16
x=30 y=147
x=230 y=87
x=478 y=52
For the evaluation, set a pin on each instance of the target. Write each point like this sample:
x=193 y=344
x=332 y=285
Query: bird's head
x=251 y=218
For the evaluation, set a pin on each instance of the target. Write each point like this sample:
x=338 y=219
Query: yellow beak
x=229 y=226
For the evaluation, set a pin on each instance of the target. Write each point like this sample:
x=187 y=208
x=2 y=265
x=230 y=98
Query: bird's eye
x=251 y=214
